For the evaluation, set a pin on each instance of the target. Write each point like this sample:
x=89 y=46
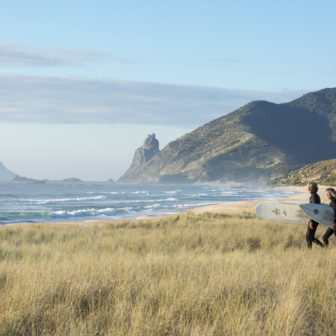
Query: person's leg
x=326 y=236
x=315 y=240
x=318 y=242
x=309 y=237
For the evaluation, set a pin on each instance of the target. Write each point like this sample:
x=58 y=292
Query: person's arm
x=314 y=199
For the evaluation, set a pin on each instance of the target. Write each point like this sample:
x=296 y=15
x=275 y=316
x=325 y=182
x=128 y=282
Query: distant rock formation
x=142 y=155
x=27 y=180
x=72 y=179
x=110 y=180
x=5 y=174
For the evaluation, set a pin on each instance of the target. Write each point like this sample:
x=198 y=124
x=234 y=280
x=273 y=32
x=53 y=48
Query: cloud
x=12 y=55
x=61 y=100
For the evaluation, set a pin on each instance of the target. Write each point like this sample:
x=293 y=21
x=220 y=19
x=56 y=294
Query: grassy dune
x=211 y=274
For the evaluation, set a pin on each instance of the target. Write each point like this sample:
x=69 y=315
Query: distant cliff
x=260 y=140
x=142 y=155
x=5 y=174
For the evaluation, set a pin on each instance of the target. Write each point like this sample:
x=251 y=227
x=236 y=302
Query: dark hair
x=332 y=192
x=314 y=185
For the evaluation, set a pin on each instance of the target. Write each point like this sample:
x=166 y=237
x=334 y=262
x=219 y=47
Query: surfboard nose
x=284 y=212
x=304 y=206
x=307 y=209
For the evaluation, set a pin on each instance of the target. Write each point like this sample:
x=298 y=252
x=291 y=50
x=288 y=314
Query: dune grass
x=208 y=274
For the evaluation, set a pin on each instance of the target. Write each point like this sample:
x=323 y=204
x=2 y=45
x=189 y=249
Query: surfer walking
x=331 y=194
x=312 y=225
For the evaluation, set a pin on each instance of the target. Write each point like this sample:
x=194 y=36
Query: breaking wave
x=87 y=212
x=62 y=200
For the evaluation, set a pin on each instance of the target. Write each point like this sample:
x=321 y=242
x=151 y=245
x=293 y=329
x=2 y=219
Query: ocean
x=65 y=202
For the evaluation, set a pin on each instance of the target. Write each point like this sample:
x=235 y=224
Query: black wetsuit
x=310 y=236
x=330 y=231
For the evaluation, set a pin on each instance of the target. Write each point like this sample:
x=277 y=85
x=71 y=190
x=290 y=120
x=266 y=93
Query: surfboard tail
x=320 y=213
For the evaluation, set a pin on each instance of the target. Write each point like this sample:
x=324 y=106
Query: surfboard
x=321 y=213
x=282 y=211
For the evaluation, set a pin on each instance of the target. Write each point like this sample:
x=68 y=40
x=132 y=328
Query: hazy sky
x=83 y=82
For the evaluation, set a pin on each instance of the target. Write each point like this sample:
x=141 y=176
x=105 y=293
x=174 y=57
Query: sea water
x=64 y=201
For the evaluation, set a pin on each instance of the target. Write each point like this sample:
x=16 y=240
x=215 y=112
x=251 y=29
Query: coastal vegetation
x=224 y=273
x=323 y=172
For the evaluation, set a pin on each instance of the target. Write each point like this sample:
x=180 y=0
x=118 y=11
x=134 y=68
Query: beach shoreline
x=300 y=195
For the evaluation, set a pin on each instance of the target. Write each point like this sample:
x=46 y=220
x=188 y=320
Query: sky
x=82 y=83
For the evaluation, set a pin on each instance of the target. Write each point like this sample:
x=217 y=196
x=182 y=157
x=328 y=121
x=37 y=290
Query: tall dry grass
x=211 y=274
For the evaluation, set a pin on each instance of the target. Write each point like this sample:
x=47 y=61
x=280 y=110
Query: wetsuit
x=310 y=236
x=330 y=231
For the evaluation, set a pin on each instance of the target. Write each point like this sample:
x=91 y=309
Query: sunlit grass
x=211 y=274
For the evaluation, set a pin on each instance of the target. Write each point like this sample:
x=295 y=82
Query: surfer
x=312 y=225
x=331 y=194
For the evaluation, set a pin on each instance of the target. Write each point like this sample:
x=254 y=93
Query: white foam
x=173 y=192
x=62 y=200
x=228 y=193
x=154 y=206
x=106 y=192
x=189 y=205
x=86 y=212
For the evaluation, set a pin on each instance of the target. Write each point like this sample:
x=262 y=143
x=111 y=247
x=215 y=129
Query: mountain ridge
x=6 y=174
x=260 y=140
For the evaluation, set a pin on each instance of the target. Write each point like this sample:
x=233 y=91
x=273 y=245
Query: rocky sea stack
x=142 y=155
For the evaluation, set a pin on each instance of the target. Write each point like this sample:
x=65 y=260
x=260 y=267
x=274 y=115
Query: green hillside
x=323 y=172
x=259 y=140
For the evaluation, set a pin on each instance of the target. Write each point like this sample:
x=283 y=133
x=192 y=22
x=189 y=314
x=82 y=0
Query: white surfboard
x=321 y=213
x=282 y=211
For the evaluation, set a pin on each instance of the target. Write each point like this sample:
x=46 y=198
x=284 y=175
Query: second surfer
x=331 y=194
x=312 y=225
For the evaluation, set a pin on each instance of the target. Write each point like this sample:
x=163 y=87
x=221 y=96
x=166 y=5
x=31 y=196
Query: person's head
x=331 y=193
x=312 y=187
